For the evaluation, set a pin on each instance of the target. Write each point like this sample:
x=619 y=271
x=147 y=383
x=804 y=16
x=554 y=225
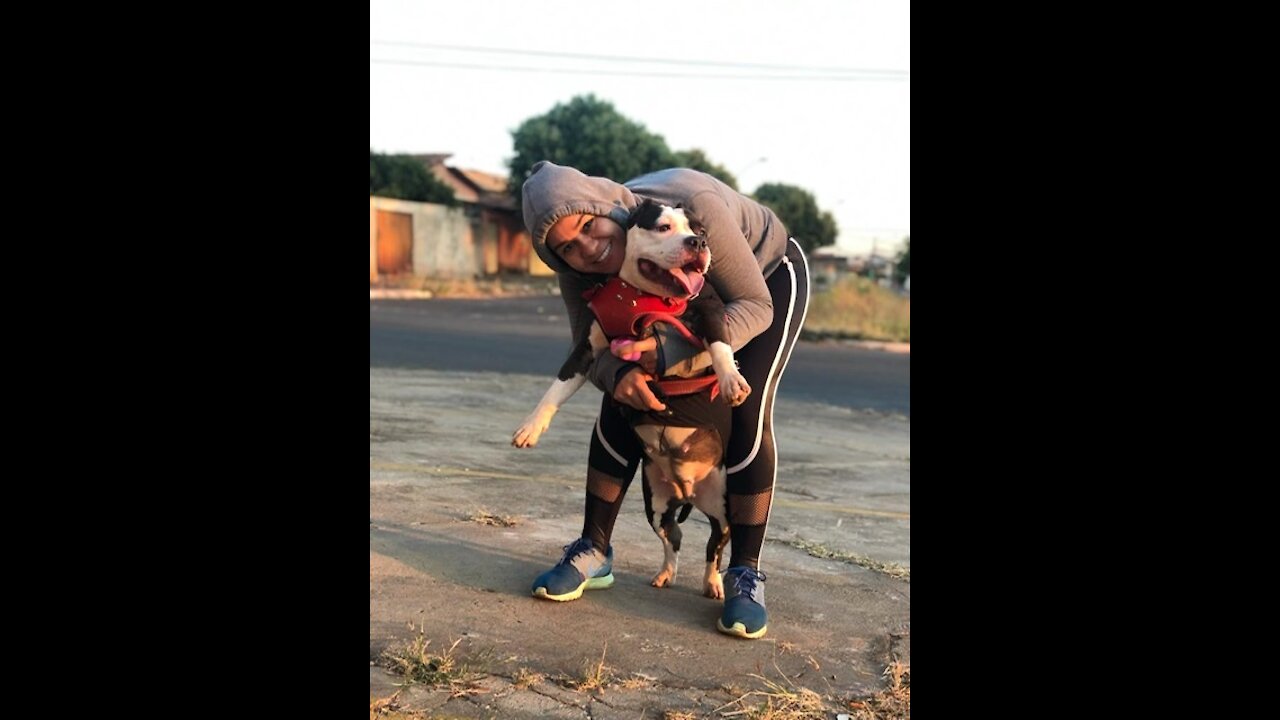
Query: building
x=484 y=236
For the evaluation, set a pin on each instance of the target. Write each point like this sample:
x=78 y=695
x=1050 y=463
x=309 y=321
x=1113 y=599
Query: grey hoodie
x=747 y=241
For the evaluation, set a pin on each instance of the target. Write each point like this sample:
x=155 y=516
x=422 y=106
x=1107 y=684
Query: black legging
x=751 y=460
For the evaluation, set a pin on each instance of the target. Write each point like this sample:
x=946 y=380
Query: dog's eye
x=664 y=227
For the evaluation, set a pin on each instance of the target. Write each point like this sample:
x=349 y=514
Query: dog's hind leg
x=711 y=501
x=659 y=499
x=712 y=585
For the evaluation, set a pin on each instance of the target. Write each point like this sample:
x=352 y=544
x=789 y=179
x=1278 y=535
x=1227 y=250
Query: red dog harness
x=625 y=310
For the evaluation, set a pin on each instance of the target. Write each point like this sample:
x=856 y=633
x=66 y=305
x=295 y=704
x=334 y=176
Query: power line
x=512 y=68
x=656 y=61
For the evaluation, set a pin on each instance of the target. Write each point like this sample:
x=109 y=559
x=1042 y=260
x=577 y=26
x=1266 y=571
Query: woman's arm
x=735 y=272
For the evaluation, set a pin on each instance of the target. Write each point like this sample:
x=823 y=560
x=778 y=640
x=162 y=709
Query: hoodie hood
x=554 y=191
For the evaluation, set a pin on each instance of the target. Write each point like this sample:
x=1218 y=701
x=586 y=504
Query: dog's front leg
x=540 y=419
x=570 y=378
x=733 y=386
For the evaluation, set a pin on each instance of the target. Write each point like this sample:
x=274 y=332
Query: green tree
x=588 y=134
x=406 y=178
x=697 y=159
x=796 y=207
x=903 y=267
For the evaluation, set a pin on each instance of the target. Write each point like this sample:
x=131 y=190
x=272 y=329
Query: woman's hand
x=642 y=352
x=633 y=390
x=649 y=361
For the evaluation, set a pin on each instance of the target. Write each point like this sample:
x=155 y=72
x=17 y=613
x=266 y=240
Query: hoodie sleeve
x=735 y=271
x=604 y=371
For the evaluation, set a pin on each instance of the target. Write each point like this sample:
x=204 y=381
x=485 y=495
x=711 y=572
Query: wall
x=443 y=242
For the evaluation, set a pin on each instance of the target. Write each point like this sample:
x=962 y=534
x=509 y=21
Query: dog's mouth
x=683 y=282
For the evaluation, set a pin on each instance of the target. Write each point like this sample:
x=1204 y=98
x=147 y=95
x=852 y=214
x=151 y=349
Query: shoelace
x=576 y=548
x=745 y=582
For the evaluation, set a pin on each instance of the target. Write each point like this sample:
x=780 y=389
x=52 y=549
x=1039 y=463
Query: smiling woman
x=590 y=244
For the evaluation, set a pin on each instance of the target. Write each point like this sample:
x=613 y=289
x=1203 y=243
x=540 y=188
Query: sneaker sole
x=740 y=630
x=599 y=583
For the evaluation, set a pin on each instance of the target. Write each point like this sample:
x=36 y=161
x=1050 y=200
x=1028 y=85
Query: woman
x=578 y=227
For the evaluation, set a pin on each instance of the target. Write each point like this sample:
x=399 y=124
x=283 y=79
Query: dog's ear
x=645 y=215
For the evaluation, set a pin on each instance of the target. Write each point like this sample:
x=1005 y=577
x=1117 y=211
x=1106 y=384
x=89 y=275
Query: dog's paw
x=714 y=587
x=527 y=435
x=532 y=428
x=664 y=578
x=735 y=389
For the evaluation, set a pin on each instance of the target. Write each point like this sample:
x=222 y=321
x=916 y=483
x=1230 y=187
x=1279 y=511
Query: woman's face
x=589 y=243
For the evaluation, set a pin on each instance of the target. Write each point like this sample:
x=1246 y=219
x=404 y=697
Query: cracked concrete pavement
x=439 y=451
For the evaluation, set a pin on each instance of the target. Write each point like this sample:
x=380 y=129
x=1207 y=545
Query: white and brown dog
x=660 y=296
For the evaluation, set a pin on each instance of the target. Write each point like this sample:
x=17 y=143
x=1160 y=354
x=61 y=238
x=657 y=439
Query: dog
x=661 y=293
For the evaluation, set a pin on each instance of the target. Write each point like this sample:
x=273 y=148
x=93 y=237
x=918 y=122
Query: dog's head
x=664 y=256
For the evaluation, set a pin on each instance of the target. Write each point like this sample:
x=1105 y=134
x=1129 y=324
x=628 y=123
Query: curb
x=893 y=347
x=399 y=294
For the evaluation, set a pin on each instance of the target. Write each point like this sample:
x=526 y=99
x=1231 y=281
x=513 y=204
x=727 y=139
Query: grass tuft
x=821 y=551
x=418 y=665
x=484 y=517
x=891 y=703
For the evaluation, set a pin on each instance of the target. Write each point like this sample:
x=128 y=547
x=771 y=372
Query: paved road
x=531 y=335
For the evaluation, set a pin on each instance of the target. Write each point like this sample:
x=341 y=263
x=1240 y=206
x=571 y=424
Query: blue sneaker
x=581 y=568
x=744 y=614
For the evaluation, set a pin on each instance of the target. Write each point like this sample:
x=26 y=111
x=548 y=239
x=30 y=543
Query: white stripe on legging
x=772 y=436
x=600 y=435
x=771 y=383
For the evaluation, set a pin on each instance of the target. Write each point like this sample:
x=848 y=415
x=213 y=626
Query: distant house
x=507 y=244
x=827 y=265
x=485 y=236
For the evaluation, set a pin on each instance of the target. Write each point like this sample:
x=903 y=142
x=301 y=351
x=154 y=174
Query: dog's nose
x=693 y=242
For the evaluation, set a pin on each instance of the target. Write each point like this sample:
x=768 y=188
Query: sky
x=692 y=74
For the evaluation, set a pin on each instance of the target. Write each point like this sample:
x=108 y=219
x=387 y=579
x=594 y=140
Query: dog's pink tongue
x=695 y=282
x=691 y=281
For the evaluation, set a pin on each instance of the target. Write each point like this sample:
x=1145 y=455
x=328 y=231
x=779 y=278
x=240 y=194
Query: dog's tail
x=684 y=512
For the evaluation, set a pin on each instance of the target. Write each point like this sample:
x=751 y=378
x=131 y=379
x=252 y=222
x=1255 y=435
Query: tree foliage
x=798 y=210
x=591 y=135
x=698 y=160
x=903 y=267
x=406 y=178
x=588 y=134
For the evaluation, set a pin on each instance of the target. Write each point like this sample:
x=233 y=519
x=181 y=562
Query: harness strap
x=689 y=386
